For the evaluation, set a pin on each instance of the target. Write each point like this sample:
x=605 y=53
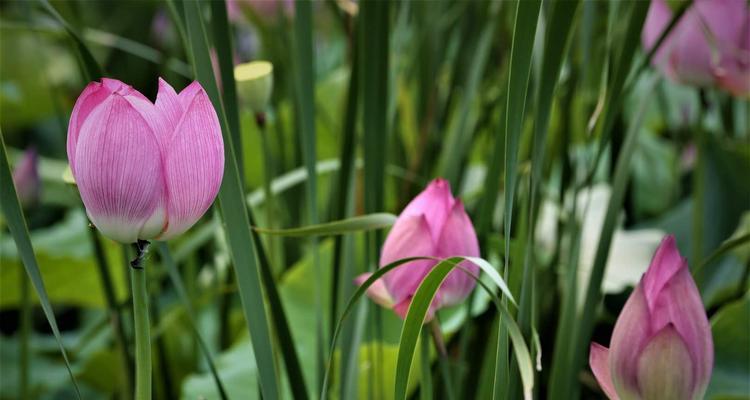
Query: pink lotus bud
x=709 y=46
x=145 y=170
x=26 y=179
x=434 y=224
x=661 y=347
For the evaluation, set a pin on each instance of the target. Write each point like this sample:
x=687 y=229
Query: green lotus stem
x=269 y=202
x=141 y=325
x=26 y=322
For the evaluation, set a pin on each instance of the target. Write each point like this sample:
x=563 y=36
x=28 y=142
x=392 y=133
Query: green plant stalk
x=699 y=184
x=25 y=332
x=141 y=326
x=305 y=114
x=276 y=254
x=114 y=310
x=425 y=386
x=437 y=336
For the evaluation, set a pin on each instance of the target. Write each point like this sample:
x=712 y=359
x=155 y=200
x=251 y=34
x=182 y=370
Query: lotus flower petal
x=458 y=238
x=377 y=291
x=664 y=368
x=194 y=161
x=630 y=334
x=435 y=203
x=661 y=346
x=409 y=237
x=169 y=104
x=708 y=45
x=657 y=19
x=674 y=300
x=123 y=201
x=599 y=362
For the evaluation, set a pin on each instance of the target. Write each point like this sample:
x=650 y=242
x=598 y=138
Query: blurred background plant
x=572 y=155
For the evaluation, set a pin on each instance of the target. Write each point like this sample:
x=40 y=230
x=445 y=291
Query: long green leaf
x=425 y=386
x=232 y=202
x=349 y=225
x=524 y=30
x=283 y=332
x=527 y=372
x=557 y=38
x=222 y=36
x=527 y=15
x=462 y=128
x=304 y=73
x=174 y=277
x=622 y=64
x=418 y=312
x=725 y=246
x=375 y=63
x=350 y=307
x=341 y=207
x=17 y=225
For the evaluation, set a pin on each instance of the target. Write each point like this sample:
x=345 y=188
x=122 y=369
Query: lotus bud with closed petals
x=710 y=45
x=26 y=179
x=433 y=224
x=661 y=347
x=254 y=84
x=145 y=170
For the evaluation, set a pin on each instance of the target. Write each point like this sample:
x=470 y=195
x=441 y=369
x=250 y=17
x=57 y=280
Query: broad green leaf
x=731 y=351
x=66 y=260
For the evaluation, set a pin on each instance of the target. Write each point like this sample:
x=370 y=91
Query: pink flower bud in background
x=145 y=170
x=661 y=346
x=708 y=46
x=433 y=224
x=26 y=179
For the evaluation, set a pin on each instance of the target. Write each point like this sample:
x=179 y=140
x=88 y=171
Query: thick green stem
x=270 y=205
x=25 y=336
x=437 y=336
x=141 y=325
x=425 y=386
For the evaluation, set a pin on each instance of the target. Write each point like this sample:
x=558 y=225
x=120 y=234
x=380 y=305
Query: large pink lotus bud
x=661 y=347
x=433 y=224
x=145 y=170
x=709 y=45
x=26 y=178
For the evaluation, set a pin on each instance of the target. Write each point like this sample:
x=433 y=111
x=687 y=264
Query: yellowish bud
x=254 y=84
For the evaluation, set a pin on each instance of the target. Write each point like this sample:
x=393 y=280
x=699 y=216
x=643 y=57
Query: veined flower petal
x=599 y=362
x=664 y=368
x=435 y=203
x=409 y=237
x=118 y=171
x=194 y=162
x=458 y=238
x=628 y=338
x=377 y=291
